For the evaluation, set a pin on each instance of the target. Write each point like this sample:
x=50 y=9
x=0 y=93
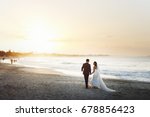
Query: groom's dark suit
x=86 y=68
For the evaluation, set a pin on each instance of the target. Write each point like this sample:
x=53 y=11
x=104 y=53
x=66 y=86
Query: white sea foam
x=126 y=68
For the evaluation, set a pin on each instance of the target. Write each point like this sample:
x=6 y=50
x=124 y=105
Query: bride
x=97 y=81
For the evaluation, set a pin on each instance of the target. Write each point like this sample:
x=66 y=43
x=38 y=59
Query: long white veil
x=102 y=84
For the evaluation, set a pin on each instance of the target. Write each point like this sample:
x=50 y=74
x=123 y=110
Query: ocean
x=111 y=67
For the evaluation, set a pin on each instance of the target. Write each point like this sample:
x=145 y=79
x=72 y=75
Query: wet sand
x=24 y=83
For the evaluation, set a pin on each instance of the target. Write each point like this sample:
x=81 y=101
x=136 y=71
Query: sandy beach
x=24 y=83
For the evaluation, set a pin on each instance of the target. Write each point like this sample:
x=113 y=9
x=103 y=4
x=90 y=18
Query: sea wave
x=112 y=67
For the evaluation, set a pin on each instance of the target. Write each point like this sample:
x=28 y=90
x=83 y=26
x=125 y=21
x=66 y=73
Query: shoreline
x=44 y=69
x=131 y=73
x=24 y=83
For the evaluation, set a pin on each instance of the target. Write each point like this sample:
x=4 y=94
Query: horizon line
x=66 y=54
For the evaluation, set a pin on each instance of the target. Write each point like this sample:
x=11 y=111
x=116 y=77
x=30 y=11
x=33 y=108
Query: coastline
x=26 y=83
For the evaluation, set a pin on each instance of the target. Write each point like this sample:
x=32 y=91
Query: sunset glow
x=39 y=38
x=76 y=27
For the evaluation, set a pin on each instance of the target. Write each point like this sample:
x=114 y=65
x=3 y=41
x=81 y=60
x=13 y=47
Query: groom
x=86 y=68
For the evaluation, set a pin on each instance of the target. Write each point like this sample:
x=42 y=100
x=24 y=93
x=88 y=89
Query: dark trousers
x=86 y=78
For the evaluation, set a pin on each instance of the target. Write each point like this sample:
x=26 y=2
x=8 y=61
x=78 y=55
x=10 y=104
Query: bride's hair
x=95 y=64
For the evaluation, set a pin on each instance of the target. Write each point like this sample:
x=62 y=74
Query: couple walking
x=96 y=81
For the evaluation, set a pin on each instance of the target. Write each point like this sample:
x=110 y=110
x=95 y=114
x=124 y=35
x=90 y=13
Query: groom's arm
x=90 y=69
x=82 y=68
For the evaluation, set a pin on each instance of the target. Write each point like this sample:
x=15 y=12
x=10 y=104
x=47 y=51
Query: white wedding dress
x=98 y=82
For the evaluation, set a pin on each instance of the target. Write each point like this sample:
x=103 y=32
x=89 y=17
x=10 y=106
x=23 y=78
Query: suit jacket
x=86 y=68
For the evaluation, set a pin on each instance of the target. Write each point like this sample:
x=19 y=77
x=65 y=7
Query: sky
x=112 y=27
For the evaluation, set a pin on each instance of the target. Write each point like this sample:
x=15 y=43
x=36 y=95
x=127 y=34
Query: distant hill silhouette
x=8 y=54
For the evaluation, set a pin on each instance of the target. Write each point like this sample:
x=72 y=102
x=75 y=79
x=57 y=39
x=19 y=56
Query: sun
x=39 y=46
x=39 y=38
